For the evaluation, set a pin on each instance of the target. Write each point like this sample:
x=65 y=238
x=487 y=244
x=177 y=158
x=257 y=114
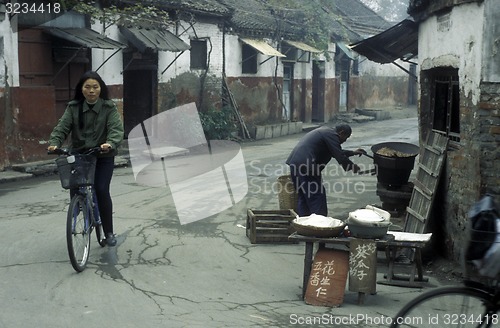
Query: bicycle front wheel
x=449 y=307
x=78 y=233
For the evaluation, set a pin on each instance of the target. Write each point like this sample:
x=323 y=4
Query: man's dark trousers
x=311 y=194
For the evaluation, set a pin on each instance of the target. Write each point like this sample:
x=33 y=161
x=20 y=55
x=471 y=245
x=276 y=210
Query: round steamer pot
x=369 y=216
x=363 y=231
x=394 y=171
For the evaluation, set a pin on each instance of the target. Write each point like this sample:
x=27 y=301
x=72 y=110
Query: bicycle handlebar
x=65 y=151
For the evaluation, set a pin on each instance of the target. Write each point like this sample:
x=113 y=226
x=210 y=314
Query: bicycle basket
x=78 y=173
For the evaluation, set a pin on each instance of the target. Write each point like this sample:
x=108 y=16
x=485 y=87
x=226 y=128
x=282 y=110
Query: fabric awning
x=262 y=47
x=398 y=42
x=85 y=37
x=302 y=46
x=151 y=39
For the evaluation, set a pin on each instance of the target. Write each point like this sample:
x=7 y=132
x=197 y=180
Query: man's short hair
x=344 y=129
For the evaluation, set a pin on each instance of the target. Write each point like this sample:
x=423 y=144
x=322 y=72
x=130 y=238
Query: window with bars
x=446 y=105
x=198 y=54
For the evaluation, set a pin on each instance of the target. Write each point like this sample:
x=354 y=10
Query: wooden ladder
x=431 y=160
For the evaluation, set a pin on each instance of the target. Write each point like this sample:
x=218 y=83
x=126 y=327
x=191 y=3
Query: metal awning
x=346 y=50
x=262 y=47
x=302 y=46
x=85 y=37
x=152 y=39
x=398 y=42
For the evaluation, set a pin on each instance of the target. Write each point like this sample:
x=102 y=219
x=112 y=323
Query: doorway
x=287 y=101
x=318 y=91
x=140 y=85
x=345 y=64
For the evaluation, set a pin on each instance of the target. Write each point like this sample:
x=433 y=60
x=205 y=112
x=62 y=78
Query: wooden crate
x=269 y=226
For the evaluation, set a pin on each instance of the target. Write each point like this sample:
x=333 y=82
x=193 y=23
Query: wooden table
x=410 y=244
x=339 y=241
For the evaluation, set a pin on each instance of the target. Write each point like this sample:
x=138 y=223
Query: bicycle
x=471 y=305
x=475 y=303
x=76 y=172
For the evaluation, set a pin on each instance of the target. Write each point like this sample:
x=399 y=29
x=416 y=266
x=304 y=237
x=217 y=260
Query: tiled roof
x=208 y=7
x=250 y=15
x=359 y=16
x=255 y=17
x=342 y=32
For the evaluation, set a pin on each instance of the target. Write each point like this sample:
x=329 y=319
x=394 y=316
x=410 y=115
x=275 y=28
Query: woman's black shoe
x=110 y=239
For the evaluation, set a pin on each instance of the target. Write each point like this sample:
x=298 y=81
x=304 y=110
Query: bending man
x=309 y=158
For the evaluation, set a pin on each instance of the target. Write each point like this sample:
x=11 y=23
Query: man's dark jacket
x=316 y=149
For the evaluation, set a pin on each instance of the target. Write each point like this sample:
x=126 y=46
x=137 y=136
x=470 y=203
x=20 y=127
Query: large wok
x=394 y=170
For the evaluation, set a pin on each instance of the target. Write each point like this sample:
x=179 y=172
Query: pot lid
x=366 y=215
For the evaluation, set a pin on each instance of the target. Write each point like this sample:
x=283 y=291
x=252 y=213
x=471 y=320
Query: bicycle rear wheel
x=449 y=307
x=78 y=231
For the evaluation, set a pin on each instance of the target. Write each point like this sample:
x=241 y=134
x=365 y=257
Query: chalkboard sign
x=363 y=266
x=328 y=278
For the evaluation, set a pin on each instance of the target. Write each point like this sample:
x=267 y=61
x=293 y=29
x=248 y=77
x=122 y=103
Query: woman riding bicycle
x=93 y=120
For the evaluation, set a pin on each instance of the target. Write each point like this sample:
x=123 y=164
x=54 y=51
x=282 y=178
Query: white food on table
x=319 y=221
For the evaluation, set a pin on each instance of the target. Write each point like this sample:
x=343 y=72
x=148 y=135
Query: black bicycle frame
x=88 y=192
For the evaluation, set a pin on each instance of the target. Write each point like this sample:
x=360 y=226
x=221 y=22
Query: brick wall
x=489 y=127
x=471 y=170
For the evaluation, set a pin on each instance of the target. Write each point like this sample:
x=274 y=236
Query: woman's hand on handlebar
x=54 y=150
x=105 y=147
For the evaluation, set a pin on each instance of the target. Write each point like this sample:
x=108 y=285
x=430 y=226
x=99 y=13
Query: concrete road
x=163 y=274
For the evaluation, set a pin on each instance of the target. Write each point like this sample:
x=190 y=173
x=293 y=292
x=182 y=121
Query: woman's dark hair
x=90 y=75
x=79 y=94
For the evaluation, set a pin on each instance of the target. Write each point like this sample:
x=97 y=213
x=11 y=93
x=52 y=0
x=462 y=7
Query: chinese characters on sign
x=359 y=265
x=321 y=274
x=328 y=278
x=363 y=266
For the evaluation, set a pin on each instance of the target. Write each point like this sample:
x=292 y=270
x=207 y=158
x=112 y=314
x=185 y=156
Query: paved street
x=163 y=274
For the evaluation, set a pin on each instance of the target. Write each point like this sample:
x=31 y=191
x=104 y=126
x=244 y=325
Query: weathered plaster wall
x=302 y=99
x=302 y=92
x=181 y=65
x=471 y=168
x=332 y=87
x=112 y=63
x=267 y=67
x=491 y=45
x=9 y=77
x=255 y=94
x=257 y=99
x=371 y=68
x=378 y=92
x=379 y=85
x=187 y=88
x=447 y=41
